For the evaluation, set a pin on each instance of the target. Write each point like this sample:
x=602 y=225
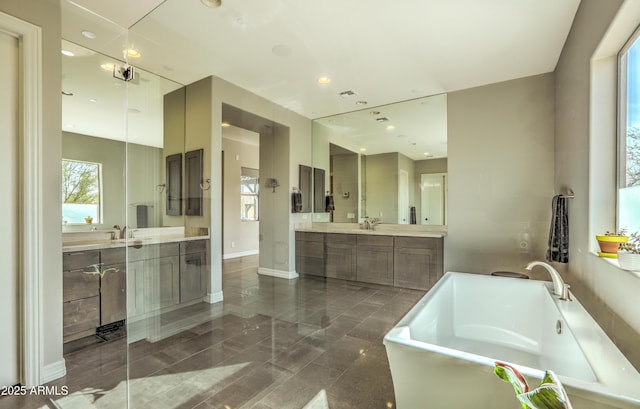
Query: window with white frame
x=81 y=192
x=249 y=185
x=629 y=136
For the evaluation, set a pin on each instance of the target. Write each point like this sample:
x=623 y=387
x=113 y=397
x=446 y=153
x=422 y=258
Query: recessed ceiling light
x=89 y=34
x=93 y=100
x=69 y=126
x=212 y=3
x=390 y=128
x=68 y=53
x=324 y=80
x=426 y=154
x=361 y=102
x=132 y=52
x=67 y=93
x=107 y=67
x=363 y=149
x=225 y=125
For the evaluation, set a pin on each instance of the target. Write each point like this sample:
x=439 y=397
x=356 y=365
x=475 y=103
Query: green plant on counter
x=549 y=395
x=100 y=271
x=633 y=245
x=621 y=233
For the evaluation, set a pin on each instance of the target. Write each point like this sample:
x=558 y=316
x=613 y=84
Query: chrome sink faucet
x=559 y=287
x=370 y=223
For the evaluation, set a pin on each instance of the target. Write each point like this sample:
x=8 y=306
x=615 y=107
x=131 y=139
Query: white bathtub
x=443 y=351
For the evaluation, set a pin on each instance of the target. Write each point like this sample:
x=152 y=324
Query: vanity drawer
x=371 y=240
x=76 y=260
x=418 y=242
x=339 y=238
x=113 y=256
x=80 y=283
x=310 y=236
x=80 y=315
x=193 y=246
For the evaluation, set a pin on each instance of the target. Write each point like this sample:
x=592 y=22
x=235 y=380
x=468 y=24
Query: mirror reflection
x=99 y=114
x=387 y=162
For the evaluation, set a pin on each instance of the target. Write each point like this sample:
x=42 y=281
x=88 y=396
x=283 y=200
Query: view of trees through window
x=249 y=194
x=629 y=138
x=80 y=192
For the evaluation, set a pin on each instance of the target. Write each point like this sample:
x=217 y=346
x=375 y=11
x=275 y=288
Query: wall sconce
x=273 y=183
x=206 y=185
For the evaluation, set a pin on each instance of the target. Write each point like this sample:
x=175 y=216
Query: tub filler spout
x=559 y=287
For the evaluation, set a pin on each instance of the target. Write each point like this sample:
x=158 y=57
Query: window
x=629 y=136
x=81 y=192
x=249 y=184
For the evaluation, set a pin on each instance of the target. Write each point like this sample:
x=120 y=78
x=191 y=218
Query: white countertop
x=401 y=230
x=99 y=245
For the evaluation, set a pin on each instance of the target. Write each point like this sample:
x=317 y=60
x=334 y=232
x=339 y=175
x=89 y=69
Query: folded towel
x=329 y=206
x=412 y=215
x=559 y=232
x=296 y=202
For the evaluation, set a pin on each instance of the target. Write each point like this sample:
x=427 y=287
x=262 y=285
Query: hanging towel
x=329 y=206
x=412 y=215
x=559 y=232
x=142 y=216
x=296 y=202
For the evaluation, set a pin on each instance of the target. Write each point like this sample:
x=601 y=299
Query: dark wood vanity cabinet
x=375 y=259
x=418 y=262
x=89 y=300
x=399 y=261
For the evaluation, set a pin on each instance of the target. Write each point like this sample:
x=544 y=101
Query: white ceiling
x=385 y=51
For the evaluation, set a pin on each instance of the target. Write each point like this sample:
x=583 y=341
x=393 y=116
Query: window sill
x=614 y=262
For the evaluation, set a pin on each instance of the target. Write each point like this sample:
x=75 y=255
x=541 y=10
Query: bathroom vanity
x=399 y=257
x=161 y=273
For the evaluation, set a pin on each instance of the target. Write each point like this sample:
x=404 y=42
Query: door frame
x=30 y=271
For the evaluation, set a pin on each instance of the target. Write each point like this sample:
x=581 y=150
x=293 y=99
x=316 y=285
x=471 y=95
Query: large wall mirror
x=387 y=162
x=109 y=123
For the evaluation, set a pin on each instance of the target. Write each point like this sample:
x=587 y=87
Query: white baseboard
x=214 y=298
x=54 y=371
x=289 y=275
x=239 y=254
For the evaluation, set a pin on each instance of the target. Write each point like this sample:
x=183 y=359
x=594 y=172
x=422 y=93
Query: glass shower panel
x=93 y=152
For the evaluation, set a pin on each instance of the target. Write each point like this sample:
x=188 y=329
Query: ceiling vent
x=382 y=119
x=347 y=94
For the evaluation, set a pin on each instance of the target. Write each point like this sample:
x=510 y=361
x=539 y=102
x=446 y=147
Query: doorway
x=433 y=187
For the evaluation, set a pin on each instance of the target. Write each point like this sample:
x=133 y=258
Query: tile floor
x=272 y=344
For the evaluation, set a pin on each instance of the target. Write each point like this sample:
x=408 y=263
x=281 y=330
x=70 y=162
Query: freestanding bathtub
x=442 y=353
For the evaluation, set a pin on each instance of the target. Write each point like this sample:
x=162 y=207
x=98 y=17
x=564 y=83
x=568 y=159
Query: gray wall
x=381 y=187
x=585 y=162
x=344 y=170
x=500 y=168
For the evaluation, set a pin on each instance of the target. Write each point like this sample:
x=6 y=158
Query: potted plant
x=629 y=254
x=610 y=243
x=549 y=395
